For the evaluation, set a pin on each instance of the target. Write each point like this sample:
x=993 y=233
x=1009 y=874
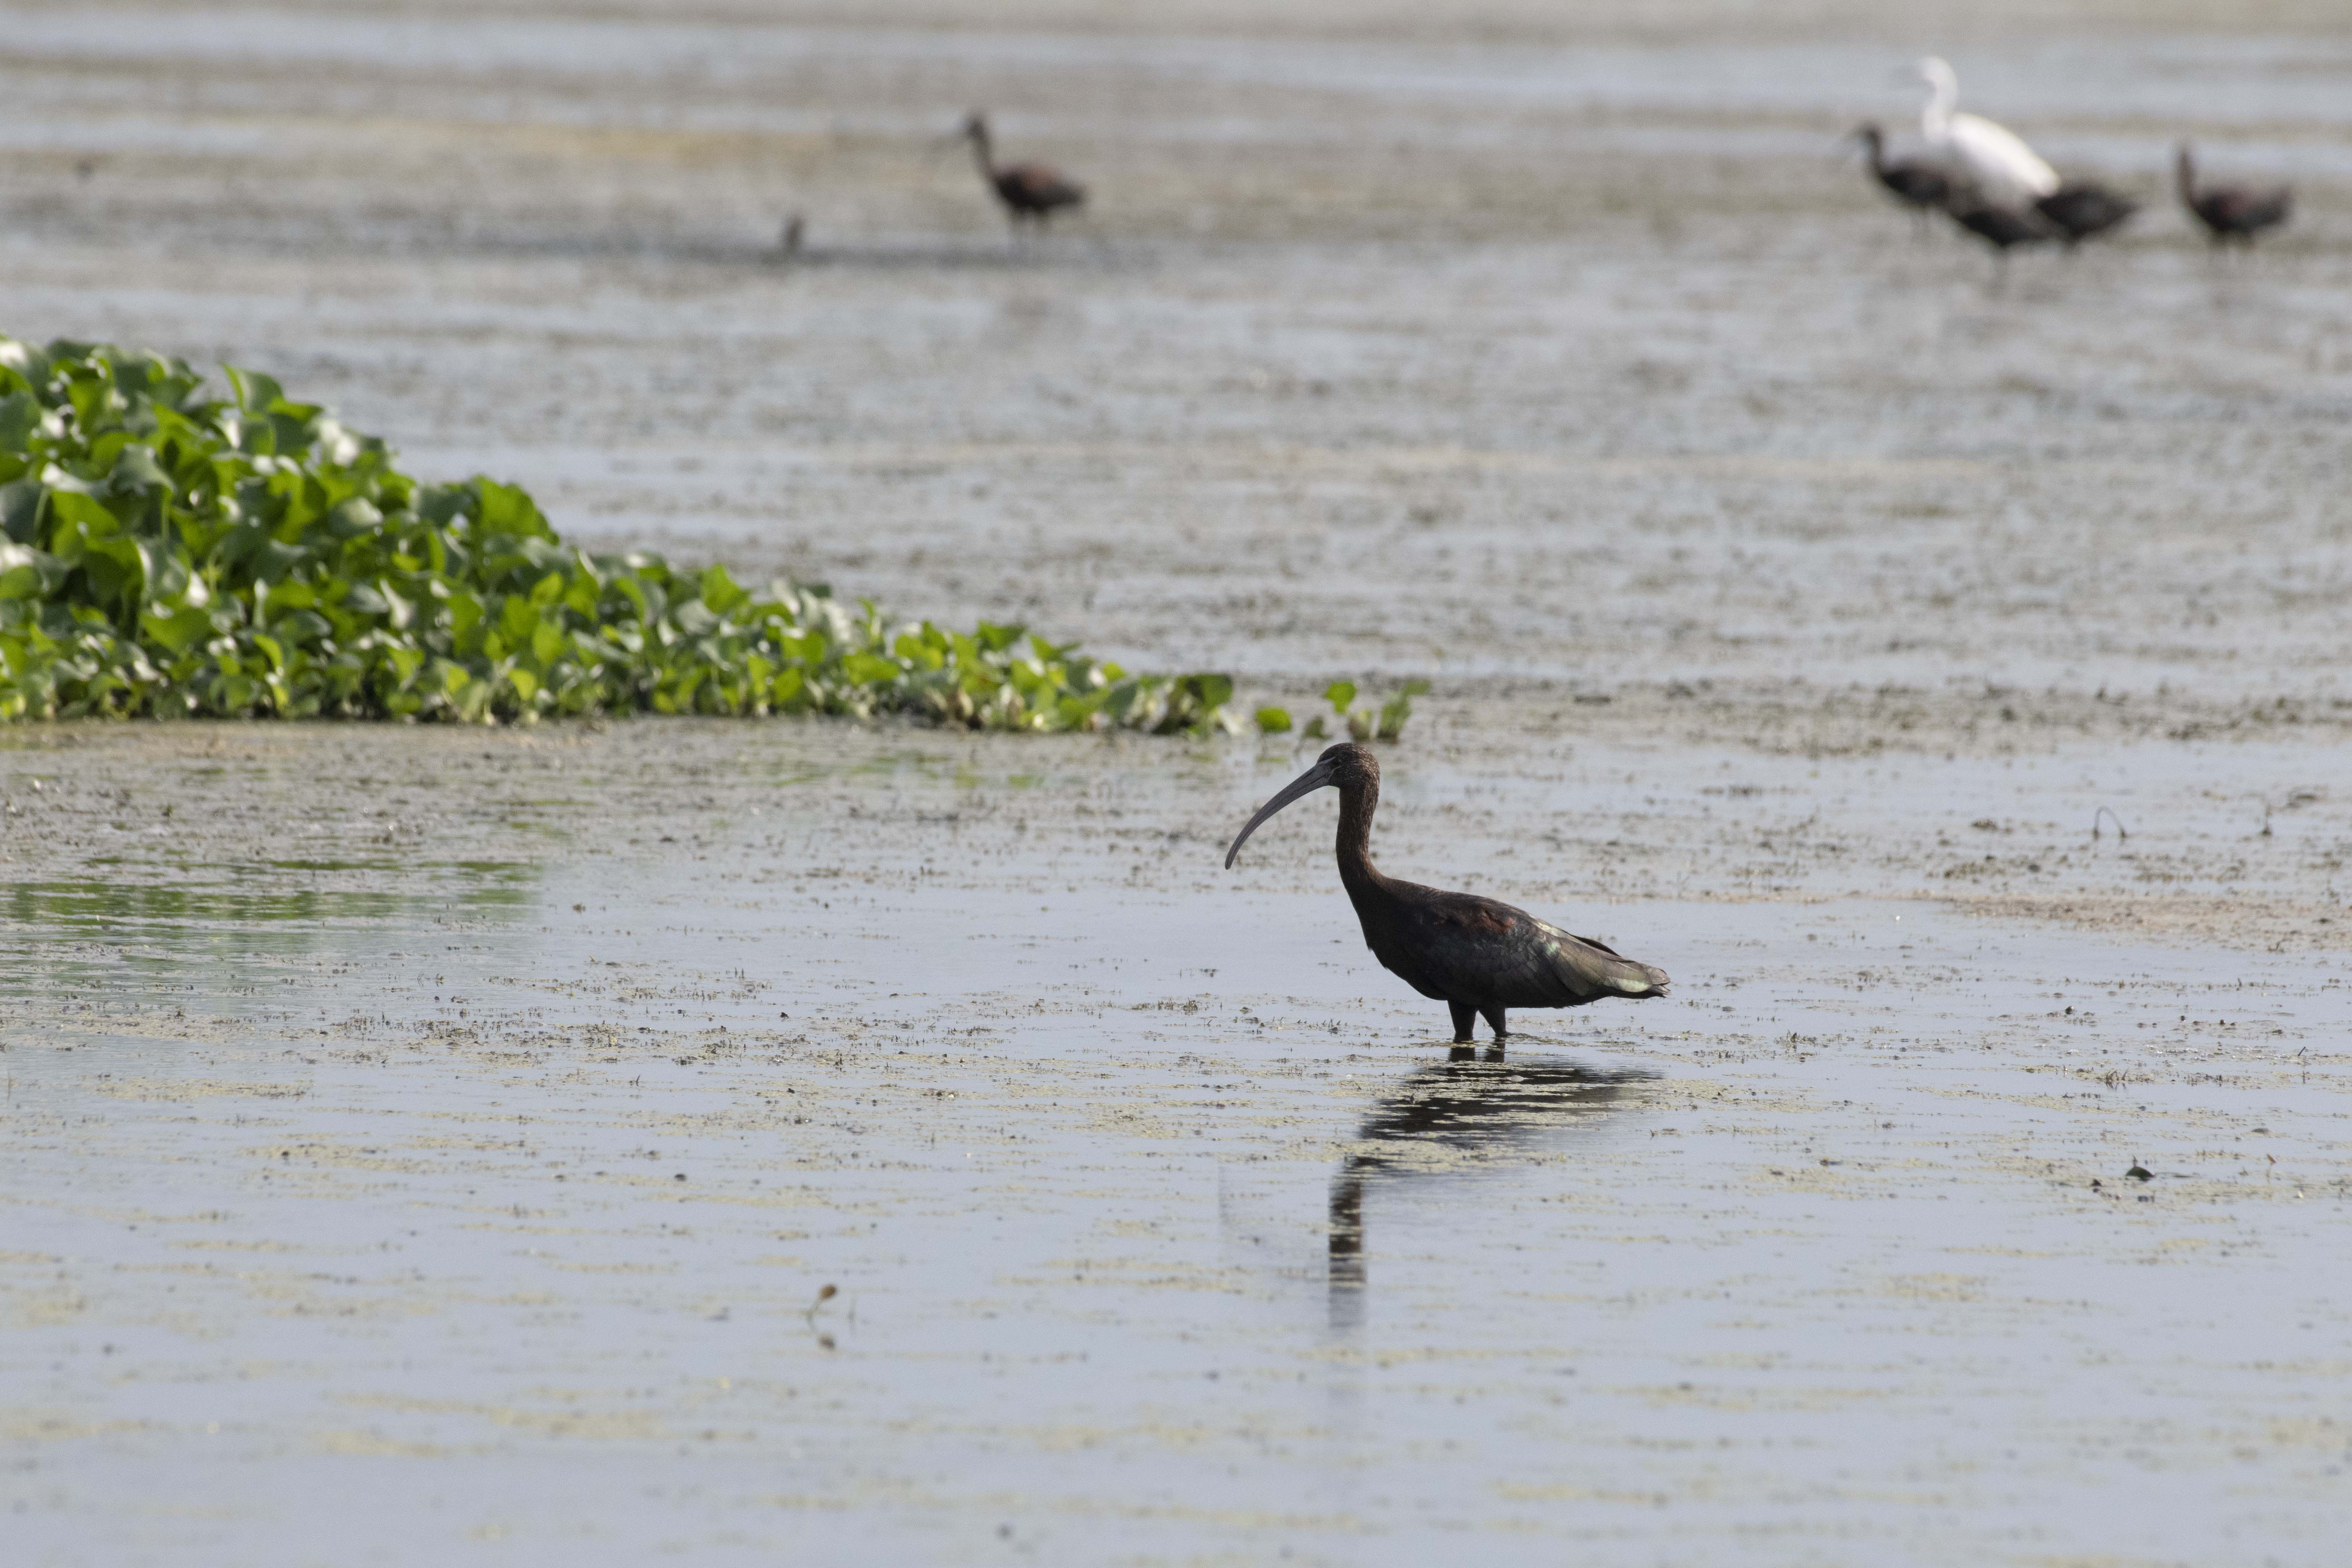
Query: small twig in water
x=2109 y=813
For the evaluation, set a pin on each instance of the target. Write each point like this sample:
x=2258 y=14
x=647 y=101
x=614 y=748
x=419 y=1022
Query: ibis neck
x=1357 y=804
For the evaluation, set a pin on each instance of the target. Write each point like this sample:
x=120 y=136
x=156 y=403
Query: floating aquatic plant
x=165 y=550
x=1362 y=722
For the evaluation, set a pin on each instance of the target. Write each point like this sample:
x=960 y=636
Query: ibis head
x=1346 y=767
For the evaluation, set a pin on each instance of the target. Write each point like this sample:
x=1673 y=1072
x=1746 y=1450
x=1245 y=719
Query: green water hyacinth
x=167 y=551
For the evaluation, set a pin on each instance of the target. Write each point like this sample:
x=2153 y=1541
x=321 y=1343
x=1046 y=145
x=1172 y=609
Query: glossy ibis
x=2003 y=167
x=1998 y=226
x=1915 y=182
x=2231 y=212
x=1030 y=191
x=2082 y=208
x=1477 y=956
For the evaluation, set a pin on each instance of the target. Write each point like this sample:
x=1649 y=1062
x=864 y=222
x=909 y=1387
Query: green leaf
x=1340 y=694
x=719 y=589
x=20 y=509
x=136 y=469
x=1273 y=720
x=20 y=416
x=169 y=551
x=1398 y=709
x=867 y=670
x=28 y=573
x=1211 y=691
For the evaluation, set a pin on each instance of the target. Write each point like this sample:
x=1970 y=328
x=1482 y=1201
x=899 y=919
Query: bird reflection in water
x=1471 y=1111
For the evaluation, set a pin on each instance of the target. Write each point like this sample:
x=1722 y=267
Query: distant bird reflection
x=1471 y=1111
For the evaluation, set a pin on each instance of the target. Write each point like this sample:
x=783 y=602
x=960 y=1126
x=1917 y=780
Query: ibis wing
x=1036 y=186
x=2083 y=209
x=1461 y=946
x=1921 y=184
x=2241 y=210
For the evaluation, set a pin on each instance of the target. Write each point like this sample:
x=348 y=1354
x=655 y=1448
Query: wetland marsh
x=432 y=1143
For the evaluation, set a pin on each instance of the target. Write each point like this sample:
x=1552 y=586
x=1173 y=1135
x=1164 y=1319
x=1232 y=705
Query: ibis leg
x=1495 y=1021
x=1464 y=1015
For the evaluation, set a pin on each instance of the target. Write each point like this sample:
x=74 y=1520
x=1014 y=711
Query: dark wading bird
x=2231 y=212
x=1918 y=184
x=1998 y=227
x=2080 y=209
x=1030 y=191
x=1477 y=956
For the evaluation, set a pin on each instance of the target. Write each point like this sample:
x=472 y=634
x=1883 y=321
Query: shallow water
x=1162 y=1223
x=426 y=1147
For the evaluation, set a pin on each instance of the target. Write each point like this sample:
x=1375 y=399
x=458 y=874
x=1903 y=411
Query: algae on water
x=167 y=551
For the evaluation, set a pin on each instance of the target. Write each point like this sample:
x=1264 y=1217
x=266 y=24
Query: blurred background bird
x=1918 y=184
x=1030 y=192
x=2081 y=209
x=1991 y=157
x=2230 y=212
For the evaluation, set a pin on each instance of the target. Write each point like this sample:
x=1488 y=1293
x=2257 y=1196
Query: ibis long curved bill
x=1476 y=955
x=1314 y=778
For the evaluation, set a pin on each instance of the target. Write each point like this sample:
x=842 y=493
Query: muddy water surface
x=427 y=1147
x=481 y=1206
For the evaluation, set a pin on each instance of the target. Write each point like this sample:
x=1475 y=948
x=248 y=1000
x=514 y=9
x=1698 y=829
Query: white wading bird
x=2003 y=168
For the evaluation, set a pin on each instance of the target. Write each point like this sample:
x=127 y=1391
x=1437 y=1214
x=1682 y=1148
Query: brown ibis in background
x=1915 y=182
x=1998 y=226
x=1029 y=191
x=1477 y=956
x=2231 y=212
x=2081 y=209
